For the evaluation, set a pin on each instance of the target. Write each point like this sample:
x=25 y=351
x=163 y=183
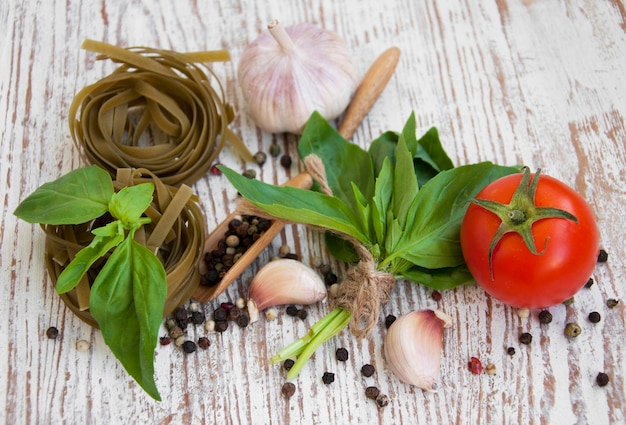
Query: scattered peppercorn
x=525 y=338
x=367 y=370
x=234 y=312
x=260 y=157
x=372 y=392
x=602 y=379
x=302 y=314
x=189 y=346
x=545 y=317
x=382 y=400
x=589 y=283
x=475 y=366
x=175 y=332
x=510 y=351
x=82 y=345
x=204 y=343
x=197 y=317
x=52 y=332
x=572 y=330
x=523 y=313
x=436 y=295
x=285 y=161
x=292 y=310
x=221 y=326
x=220 y=314
x=603 y=256
x=328 y=378
x=341 y=354
x=275 y=150
x=215 y=171
x=594 y=317
x=490 y=369
x=243 y=320
x=288 y=364
x=389 y=320
x=249 y=173
x=330 y=278
x=569 y=301
x=180 y=314
x=165 y=340
x=612 y=303
x=288 y=389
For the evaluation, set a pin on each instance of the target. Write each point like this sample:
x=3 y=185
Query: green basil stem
x=320 y=332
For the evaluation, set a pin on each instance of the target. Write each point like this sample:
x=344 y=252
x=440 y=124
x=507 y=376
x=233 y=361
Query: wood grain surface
x=540 y=83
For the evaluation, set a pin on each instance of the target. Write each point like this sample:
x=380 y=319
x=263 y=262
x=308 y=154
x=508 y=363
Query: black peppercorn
x=589 y=283
x=275 y=150
x=288 y=389
x=285 y=161
x=180 y=314
x=197 y=318
x=328 y=378
x=510 y=351
x=292 y=310
x=204 y=343
x=288 y=364
x=545 y=317
x=52 y=332
x=389 y=320
x=221 y=326
x=234 y=313
x=341 y=354
x=572 y=330
x=612 y=303
x=330 y=278
x=189 y=347
x=367 y=370
x=372 y=392
x=603 y=256
x=525 y=338
x=594 y=317
x=602 y=379
x=243 y=320
x=260 y=157
x=302 y=314
x=220 y=314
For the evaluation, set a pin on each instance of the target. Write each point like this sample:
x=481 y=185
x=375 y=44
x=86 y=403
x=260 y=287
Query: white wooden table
x=541 y=83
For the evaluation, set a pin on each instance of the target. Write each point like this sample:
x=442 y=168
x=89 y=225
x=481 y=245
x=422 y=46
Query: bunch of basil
x=127 y=297
x=402 y=199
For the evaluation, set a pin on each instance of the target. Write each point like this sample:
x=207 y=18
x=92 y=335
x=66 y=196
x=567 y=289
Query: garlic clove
x=285 y=281
x=413 y=347
x=287 y=73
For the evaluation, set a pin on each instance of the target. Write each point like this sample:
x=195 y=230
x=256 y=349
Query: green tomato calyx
x=519 y=215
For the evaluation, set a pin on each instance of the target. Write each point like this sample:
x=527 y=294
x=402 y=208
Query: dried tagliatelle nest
x=176 y=233
x=161 y=110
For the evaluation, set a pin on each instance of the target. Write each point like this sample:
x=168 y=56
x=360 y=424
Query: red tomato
x=567 y=251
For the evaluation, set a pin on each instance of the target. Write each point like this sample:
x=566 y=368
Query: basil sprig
x=127 y=297
x=402 y=199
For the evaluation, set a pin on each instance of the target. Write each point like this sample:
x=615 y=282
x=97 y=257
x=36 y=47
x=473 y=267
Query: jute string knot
x=365 y=288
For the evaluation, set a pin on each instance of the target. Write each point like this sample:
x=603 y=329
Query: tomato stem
x=519 y=215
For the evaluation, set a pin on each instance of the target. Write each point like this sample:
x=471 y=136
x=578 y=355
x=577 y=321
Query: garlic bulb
x=287 y=73
x=413 y=347
x=284 y=281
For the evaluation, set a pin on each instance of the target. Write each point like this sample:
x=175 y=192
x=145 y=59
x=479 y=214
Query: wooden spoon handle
x=372 y=85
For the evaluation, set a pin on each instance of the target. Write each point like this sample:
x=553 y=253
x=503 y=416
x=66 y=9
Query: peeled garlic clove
x=413 y=347
x=285 y=281
x=287 y=73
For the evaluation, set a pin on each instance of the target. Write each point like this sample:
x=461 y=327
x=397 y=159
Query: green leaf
x=408 y=135
x=127 y=300
x=382 y=148
x=129 y=204
x=433 y=239
x=444 y=278
x=344 y=162
x=340 y=248
x=77 y=197
x=432 y=152
x=107 y=238
x=382 y=197
x=299 y=205
x=405 y=187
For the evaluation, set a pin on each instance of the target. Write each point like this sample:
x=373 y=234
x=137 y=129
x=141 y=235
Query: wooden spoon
x=368 y=91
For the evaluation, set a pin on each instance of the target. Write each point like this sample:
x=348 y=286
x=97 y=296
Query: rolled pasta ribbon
x=160 y=110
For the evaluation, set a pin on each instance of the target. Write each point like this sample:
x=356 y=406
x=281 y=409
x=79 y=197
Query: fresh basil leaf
x=384 y=147
x=340 y=248
x=127 y=300
x=129 y=204
x=432 y=152
x=344 y=162
x=299 y=205
x=433 y=239
x=382 y=197
x=440 y=279
x=107 y=238
x=77 y=197
x=364 y=212
x=405 y=187
x=408 y=135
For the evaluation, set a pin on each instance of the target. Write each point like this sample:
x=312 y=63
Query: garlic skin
x=413 y=347
x=285 y=281
x=287 y=73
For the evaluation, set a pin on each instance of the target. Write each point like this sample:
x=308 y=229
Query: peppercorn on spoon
x=372 y=85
